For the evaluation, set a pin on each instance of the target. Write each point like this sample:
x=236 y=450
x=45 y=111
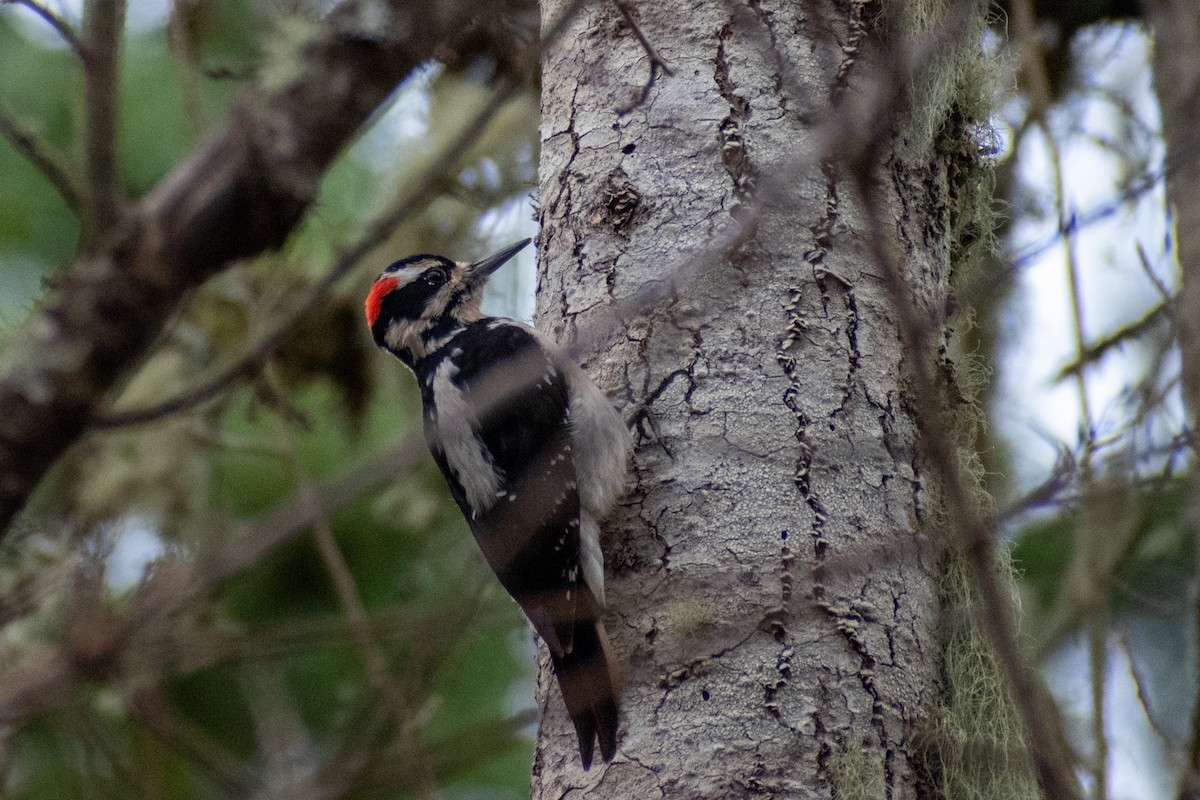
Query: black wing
x=530 y=537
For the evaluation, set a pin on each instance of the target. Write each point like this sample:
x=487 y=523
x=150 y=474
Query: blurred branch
x=298 y=513
x=38 y=153
x=1143 y=696
x=409 y=203
x=239 y=194
x=1044 y=493
x=1076 y=222
x=405 y=721
x=361 y=758
x=348 y=766
x=60 y=25
x=182 y=42
x=1131 y=332
x=151 y=709
x=1092 y=564
x=103 y=25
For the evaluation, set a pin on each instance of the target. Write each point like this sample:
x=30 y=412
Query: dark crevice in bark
x=858 y=28
x=850 y=326
x=562 y=208
x=730 y=132
x=848 y=622
x=783 y=669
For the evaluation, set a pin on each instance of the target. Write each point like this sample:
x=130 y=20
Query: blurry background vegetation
x=373 y=655
x=275 y=685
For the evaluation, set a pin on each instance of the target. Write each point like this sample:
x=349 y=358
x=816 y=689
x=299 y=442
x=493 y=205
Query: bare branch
x=60 y=25
x=1127 y=333
x=153 y=710
x=406 y=205
x=1135 y=189
x=103 y=23
x=1046 y=492
x=49 y=163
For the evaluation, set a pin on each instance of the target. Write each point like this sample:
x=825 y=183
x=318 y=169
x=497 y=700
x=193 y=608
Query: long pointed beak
x=479 y=272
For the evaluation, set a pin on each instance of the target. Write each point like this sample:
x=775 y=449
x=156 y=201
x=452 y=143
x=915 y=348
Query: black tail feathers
x=588 y=681
x=597 y=723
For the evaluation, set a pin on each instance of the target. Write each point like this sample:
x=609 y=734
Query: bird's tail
x=588 y=679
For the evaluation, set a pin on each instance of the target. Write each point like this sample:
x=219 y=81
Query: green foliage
x=1154 y=567
x=36 y=226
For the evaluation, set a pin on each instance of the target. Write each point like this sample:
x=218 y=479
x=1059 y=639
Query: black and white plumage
x=535 y=456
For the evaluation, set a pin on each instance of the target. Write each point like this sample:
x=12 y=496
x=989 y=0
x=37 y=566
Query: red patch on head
x=382 y=288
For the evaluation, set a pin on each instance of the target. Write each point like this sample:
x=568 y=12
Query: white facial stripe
x=409 y=274
x=412 y=334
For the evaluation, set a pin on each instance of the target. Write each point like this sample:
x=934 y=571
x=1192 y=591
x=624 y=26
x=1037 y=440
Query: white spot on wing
x=590 y=557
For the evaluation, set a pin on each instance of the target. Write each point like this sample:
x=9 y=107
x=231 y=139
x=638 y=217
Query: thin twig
x=657 y=65
x=1134 y=330
x=1044 y=493
x=287 y=520
x=1097 y=626
x=50 y=164
x=1134 y=190
x=1147 y=267
x=1143 y=696
x=60 y=25
x=405 y=720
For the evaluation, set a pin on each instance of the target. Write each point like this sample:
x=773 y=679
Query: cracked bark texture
x=771 y=603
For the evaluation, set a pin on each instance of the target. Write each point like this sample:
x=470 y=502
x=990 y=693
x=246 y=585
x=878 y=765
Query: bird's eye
x=435 y=276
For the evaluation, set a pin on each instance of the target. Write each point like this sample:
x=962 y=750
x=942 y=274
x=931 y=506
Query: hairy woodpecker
x=534 y=453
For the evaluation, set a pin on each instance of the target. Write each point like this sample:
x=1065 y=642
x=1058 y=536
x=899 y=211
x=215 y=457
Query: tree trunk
x=772 y=601
x=1176 y=25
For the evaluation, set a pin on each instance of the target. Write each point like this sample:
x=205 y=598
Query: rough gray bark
x=771 y=600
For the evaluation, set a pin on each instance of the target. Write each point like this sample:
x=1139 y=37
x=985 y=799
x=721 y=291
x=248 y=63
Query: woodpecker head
x=418 y=301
